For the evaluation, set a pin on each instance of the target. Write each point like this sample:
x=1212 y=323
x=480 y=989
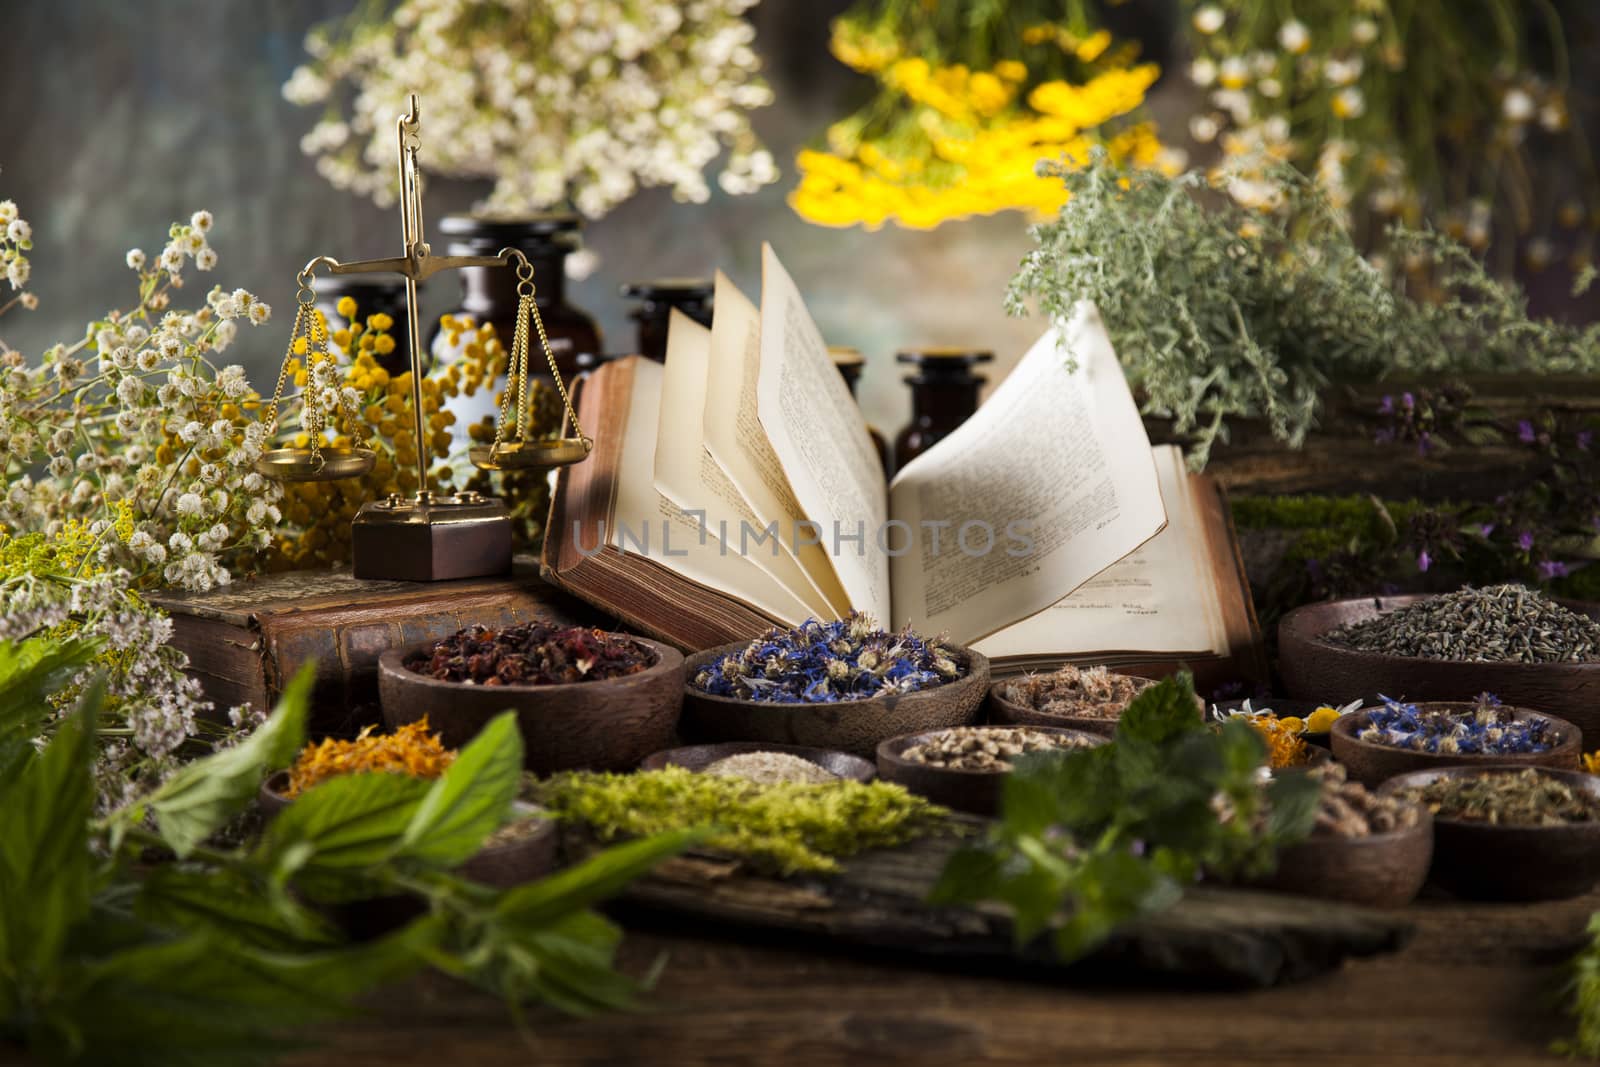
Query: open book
x=735 y=487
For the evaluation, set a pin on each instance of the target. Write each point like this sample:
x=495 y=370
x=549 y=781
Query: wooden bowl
x=853 y=726
x=1006 y=712
x=1313 y=669
x=1511 y=862
x=1372 y=764
x=500 y=865
x=977 y=792
x=1379 y=871
x=607 y=724
x=699 y=757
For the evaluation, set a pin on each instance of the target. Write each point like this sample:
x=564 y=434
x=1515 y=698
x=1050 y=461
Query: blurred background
x=122 y=117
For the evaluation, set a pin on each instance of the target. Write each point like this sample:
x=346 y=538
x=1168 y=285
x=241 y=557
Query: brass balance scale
x=431 y=536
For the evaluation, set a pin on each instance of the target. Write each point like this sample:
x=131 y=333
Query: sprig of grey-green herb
x=1092 y=838
x=1219 y=313
x=223 y=954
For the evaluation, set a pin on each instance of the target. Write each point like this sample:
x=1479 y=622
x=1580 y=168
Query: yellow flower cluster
x=972 y=149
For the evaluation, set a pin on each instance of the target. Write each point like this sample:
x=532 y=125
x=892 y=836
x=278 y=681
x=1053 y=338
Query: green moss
x=788 y=828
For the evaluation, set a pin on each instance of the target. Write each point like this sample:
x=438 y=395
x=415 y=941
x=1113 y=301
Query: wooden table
x=1477 y=985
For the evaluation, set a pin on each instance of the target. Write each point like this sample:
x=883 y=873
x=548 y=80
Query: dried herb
x=1078 y=692
x=1528 y=797
x=1092 y=838
x=409 y=750
x=1489 y=729
x=770 y=768
x=1498 y=623
x=987 y=748
x=824 y=662
x=535 y=653
x=1349 y=809
x=786 y=827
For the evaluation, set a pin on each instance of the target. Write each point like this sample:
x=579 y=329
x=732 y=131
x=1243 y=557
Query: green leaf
x=355 y=822
x=1162 y=711
x=470 y=800
x=1294 y=798
x=228 y=904
x=45 y=871
x=201 y=797
x=600 y=876
x=971 y=873
x=30 y=673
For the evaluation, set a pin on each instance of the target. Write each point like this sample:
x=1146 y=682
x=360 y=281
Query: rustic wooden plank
x=1215 y=936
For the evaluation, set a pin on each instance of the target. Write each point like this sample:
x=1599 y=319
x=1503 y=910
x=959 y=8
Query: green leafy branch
x=223 y=954
x=1090 y=839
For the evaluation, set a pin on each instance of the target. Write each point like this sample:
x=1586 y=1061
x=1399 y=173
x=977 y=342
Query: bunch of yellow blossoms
x=945 y=140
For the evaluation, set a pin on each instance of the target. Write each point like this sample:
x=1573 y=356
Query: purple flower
x=1424 y=446
x=1525 y=432
x=1486 y=529
x=1408 y=401
x=1550 y=569
x=1525 y=540
x=1424 y=561
x=1585 y=439
x=1386 y=406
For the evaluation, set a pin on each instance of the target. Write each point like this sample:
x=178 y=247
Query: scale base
x=431 y=538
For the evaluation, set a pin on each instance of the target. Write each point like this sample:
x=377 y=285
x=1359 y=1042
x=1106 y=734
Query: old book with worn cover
x=246 y=640
x=735 y=488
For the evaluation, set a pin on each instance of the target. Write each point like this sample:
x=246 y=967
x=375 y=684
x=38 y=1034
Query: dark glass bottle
x=372 y=295
x=489 y=294
x=657 y=299
x=851 y=363
x=944 y=394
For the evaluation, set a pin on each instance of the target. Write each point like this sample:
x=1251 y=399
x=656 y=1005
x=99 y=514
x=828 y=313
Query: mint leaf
x=600 y=876
x=1162 y=711
x=347 y=823
x=1294 y=798
x=45 y=872
x=229 y=905
x=30 y=672
x=202 y=796
x=470 y=800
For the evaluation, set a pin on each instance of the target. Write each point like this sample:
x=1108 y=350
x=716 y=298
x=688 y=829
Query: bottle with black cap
x=944 y=394
x=851 y=363
x=656 y=300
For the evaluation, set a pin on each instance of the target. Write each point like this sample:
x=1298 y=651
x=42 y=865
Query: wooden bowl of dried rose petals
x=585 y=699
x=964 y=767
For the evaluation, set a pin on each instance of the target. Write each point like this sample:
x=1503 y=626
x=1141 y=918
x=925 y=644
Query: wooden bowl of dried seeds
x=764 y=763
x=1510 y=833
x=1526 y=649
x=964 y=767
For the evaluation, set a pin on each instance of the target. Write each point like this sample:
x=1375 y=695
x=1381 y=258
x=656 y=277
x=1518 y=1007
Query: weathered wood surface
x=1340 y=457
x=1477 y=985
x=1214 y=937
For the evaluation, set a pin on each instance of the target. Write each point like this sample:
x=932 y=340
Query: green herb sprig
x=1219 y=313
x=219 y=954
x=1092 y=838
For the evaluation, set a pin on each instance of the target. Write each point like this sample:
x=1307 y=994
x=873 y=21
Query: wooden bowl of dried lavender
x=1091 y=699
x=1510 y=833
x=765 y=763
x=585 y=699
x=841 y=685
x=964 y=767
x=1526 y=649
x=1396 y=738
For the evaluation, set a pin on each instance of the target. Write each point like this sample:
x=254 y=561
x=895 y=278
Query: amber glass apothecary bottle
x=944 y=394
x=489 y=294
x=851 y=363
x=372 y=296
x=655 y=302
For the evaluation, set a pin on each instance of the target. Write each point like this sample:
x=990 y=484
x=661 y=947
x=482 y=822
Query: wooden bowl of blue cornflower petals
x=1393 y=738
x=844 y=685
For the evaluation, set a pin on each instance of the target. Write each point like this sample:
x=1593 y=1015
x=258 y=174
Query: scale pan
x=302 y=465
x=531 y=455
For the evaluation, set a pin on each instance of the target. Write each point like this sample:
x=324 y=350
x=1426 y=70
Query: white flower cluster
x=16 y=237
x=140 y=435
x=589 y=101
